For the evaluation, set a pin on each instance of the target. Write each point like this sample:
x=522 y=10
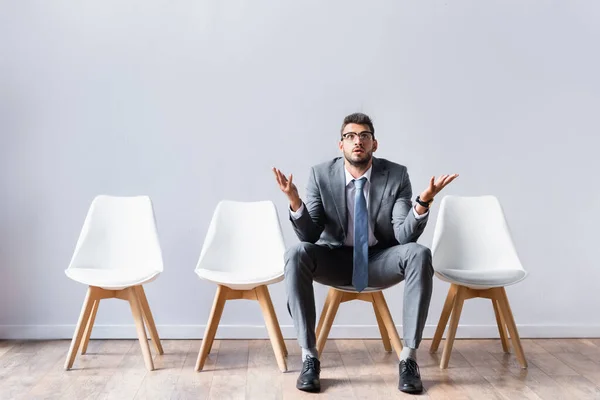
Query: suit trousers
x=308 y=262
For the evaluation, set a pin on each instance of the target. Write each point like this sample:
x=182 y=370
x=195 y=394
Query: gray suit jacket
x=390 y=203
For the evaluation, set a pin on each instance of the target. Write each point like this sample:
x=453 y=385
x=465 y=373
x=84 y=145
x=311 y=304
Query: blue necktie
x=360 y=273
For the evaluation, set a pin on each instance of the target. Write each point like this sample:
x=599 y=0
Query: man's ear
x=341 y=146
x=375 y=145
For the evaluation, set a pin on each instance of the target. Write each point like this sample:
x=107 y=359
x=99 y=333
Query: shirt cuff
x=297 y=214
x=417 y=216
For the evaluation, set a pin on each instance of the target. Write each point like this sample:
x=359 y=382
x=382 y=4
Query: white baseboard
x=26 y=332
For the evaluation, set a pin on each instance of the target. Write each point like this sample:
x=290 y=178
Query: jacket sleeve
x=407 y=228
x=311 y=222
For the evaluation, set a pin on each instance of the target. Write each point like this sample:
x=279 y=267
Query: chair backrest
x=119 y=233
x=243 y=236
x=471 y=233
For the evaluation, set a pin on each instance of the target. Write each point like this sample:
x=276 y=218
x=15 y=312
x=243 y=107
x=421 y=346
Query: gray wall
x=192 y=102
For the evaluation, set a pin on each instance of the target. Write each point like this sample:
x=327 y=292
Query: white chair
x=243 y=252
x=117 y=252
x=474 y=251
x=342 y=294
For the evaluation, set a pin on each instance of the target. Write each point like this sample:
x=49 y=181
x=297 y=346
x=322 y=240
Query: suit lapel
x=337 y=183
x=379 y=178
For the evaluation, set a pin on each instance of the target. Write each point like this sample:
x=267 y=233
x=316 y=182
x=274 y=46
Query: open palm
x=436 y=186
x=286 y=185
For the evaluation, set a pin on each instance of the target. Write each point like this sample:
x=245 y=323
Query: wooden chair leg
x=506 y=312
x=385 y=336
x=330 y=295
x=456 y=310
x=210 y=345
x=89 y=327
x=136 y=310
x=446 y=311
x=280 y=335
x=326 y=305
x=282 y=341
x=330 y=313
x=84 y=317
x=384 y=312
x=501 y=326
x=213 y=324
x=278 y=330
x=264 y=299
x=149 y=319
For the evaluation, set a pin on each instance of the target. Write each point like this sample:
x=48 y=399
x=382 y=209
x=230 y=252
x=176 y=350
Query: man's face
x=357 y=144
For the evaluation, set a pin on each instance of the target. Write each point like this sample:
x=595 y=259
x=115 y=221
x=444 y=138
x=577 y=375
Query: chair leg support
x=446 y=311
x=260 y=294
x=330 y=313
x=264 y=299
x=455 y=317
x=141 y=313
x=84 y=317
x=278 y=330
x=330 y=295
x=380 y=303
x=506 y=313
x=136 y=310
x=149 y=319
x=389 y=333
x=213 y=324
x=89 y=327
x=385 y=336
x=501 y=326
x=504 y=319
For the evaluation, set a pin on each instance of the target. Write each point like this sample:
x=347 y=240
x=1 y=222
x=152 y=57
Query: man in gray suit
x=358 y=226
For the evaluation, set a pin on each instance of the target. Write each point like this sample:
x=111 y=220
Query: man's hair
x=358 y=118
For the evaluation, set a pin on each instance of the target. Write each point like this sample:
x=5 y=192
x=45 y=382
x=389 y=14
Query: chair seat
x=240 y=280
x=111 y=279
x=482 y=279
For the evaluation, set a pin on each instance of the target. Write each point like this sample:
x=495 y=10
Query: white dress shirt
x=350 y=190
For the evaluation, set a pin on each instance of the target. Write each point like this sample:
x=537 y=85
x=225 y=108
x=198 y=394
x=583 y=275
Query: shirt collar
x=350 y=178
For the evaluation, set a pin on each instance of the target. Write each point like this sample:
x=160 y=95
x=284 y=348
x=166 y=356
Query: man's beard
x=359 y=163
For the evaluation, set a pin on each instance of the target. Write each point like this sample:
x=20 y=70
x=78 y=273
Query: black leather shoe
x=410 y=377
x=309 y=380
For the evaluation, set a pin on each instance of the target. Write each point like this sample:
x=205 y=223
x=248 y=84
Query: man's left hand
x=435 y=186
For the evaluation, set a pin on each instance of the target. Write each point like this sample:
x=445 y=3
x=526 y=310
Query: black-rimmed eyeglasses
x=363 y=136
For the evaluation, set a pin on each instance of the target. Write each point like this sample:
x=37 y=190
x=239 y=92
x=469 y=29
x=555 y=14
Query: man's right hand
x=288 y=188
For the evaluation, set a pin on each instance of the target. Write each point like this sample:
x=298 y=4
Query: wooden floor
x=247 y=369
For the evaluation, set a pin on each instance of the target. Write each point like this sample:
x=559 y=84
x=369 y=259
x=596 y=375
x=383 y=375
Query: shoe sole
x=411 y=391
x=309 y=388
